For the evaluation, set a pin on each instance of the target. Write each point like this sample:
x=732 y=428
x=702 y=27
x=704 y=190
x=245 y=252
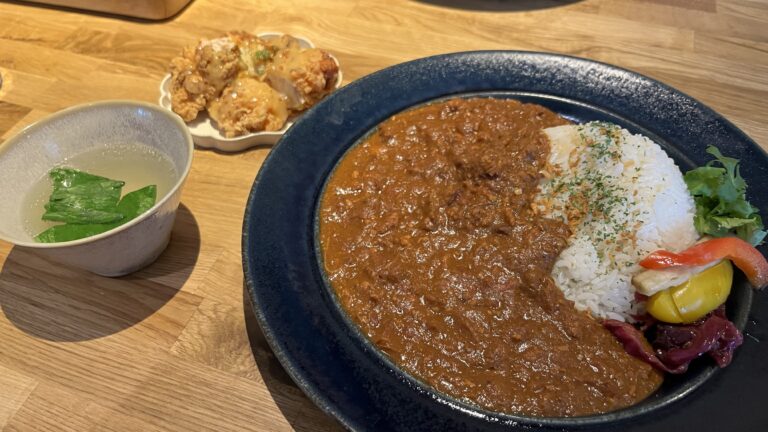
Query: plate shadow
x=280 y=385
x=52 y=302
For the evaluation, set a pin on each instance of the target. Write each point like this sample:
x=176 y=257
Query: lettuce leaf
x=722 y=208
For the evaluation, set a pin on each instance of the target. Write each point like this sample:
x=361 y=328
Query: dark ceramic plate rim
x=699 y=372
x=465 y=62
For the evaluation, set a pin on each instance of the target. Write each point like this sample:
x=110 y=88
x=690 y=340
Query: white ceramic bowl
x=204 y=131
x=28 y=156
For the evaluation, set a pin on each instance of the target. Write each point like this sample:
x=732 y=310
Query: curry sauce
x=431 y=245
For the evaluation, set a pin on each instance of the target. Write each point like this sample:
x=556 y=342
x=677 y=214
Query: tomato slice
x=742 y=254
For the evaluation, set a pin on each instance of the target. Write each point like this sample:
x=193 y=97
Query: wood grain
x=16 y=389
x=174 y=347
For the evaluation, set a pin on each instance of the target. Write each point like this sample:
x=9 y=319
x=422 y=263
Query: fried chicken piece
x=249 y=84
x=187 y=88
x=200 y=73
x=248 y=105
x=255 y=54
x=219 y=61
x=304 y=76
x=241 y=38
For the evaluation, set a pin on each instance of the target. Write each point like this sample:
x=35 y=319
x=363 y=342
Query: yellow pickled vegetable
x=663 y=308
x=691 y=300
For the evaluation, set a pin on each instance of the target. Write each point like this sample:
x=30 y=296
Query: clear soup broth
x=138 y=165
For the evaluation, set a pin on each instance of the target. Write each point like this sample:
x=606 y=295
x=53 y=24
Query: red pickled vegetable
x=675 y=346
x=743 y=255
x=636 y=345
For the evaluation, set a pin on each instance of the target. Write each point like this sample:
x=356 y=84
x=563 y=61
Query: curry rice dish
x=433 y=247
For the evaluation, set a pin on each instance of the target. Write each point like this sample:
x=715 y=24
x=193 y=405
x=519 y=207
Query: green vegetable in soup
x=82 y=198
x=721 y=204
x=89 y=205
x=137 y=202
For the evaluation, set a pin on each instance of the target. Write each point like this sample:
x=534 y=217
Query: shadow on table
x=52 y=302
x=499 y=5
x=291 y=401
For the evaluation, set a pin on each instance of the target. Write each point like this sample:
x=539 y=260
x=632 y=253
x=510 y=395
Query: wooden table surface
x=174 y=347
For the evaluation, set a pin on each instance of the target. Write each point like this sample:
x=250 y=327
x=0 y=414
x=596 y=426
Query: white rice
x=623 y=198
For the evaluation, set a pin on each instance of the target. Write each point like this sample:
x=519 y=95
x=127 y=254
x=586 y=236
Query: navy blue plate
x=325 y=353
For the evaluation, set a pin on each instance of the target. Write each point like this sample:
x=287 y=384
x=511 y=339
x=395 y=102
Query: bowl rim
x=135 y=221
x=268 y=304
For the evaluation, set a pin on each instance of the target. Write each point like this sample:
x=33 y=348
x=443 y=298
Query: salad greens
x=90 y=205
x=722 y=208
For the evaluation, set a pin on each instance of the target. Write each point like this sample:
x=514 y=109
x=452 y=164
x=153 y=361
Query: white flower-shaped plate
x=203 y=128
